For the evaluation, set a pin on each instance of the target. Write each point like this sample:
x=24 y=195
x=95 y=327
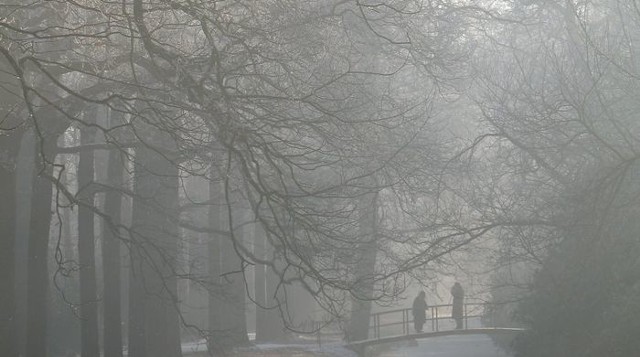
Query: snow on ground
x=444 y=346
x=333 y=349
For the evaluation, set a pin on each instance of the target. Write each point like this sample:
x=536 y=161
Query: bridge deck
x=359 y=346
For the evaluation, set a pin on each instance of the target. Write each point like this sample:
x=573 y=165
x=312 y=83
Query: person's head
x=421 y=294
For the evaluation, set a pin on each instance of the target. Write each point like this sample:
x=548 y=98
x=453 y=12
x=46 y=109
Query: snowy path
x=199 y=349
x=475 y=345
x=445 y=346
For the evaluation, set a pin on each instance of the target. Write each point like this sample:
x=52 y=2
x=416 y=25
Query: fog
x=285 y=177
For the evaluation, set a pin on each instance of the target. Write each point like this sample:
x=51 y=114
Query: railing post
x=375 y=326
x=433 y=322
x=404 y=321
x=437 y=317
x=466 y=321
x=408 y=324
x=372 y=328
x=494 y=321
x=318 y=337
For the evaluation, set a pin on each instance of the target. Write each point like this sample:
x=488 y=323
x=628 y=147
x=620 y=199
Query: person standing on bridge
x=457 y=312
x=419 y=311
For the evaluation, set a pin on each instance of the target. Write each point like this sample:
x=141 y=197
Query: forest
x=184 y=170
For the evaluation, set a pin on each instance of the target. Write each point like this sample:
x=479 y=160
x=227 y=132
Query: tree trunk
x=137 y=334
x=365 y=268
x=233 y=284
x=154 y=322
x=112 y=331
x=216 y=325
x=275 y=297
x=215 y=321
x=86 y=249
x=227 y=320
x=193 y=297
x=37 y=275
x=262 y=327
x=25 y=171
x=11 y=136
x=8 y=208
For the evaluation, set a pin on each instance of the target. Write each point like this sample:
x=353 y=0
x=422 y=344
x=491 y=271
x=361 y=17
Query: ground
x=445 y=346
x=333 y=349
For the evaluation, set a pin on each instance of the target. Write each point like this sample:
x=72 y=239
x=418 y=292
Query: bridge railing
x=400 y=321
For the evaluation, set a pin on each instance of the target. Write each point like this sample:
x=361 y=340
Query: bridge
x=391 y=334
x=394 y=326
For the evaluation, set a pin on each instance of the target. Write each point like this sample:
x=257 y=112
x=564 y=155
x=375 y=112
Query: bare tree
x=318 y=111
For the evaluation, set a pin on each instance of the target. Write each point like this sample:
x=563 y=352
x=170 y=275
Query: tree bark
x=11 y=136
x=275 y=297
x=86 y=250
x=112 y=331
x=8 y=208
x=215 y=322
x=137 y=334
x=227 y=320
x=153 y=305
x=37 y=275
x=25 y=171
x=365 y=268
x=216 y=325
x=233 y=284
x=262 y=327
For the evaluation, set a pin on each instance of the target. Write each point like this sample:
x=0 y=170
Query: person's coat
x=458 y=300
x=419 y=309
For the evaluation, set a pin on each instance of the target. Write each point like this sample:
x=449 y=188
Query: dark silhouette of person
x=458 y=302
x=419 y=310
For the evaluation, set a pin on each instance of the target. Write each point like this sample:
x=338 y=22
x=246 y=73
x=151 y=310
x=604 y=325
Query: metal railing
x=400 y=321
